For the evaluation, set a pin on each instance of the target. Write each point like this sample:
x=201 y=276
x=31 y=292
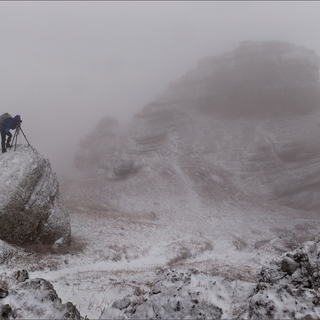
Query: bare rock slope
x=247 y=121
x=31 y=207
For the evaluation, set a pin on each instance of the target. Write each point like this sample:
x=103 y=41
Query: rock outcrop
x=288 y=287
x=33 y=299
x=31 y=207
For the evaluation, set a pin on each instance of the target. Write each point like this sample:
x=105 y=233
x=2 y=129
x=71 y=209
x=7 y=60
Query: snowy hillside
x=176 y=214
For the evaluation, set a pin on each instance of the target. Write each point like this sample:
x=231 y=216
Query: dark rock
x=21 y=275
x=70 y=312
x=289 y=266
x=5 y=312
x=300 y=257
x=122 y=303
x=3 y=293
x=156 y=288
x=123 y=168
x=261 y=308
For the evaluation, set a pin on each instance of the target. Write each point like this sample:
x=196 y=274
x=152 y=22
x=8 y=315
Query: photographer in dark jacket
x=7 y=125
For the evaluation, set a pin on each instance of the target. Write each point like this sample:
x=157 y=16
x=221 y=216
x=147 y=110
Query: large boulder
x=31 y=207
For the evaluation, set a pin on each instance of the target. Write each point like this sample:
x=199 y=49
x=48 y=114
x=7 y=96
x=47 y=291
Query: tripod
x=16 y=134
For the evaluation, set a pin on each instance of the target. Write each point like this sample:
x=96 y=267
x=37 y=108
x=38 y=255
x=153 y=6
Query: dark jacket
x=10 y=123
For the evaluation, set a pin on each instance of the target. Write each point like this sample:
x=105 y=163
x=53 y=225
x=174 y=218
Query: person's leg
x=9 y=134
x=3 y=141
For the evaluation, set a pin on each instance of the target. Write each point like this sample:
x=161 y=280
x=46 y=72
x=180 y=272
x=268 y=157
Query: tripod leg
x=15 y=136
x=14 y=139
x=25 y=136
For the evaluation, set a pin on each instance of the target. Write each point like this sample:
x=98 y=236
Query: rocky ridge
x=249 y=119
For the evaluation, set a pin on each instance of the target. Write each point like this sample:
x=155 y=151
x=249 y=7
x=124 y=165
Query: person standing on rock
x=7 y=125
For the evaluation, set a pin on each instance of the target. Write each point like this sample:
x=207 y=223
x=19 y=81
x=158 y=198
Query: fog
x=65 y=65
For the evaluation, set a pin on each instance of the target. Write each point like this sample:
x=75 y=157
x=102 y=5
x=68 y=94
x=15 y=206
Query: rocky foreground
x=32 y=299
x=287 y=288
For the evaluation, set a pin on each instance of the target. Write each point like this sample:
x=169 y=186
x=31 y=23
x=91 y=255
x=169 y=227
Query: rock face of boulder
x=247 y=121
x=31 y=207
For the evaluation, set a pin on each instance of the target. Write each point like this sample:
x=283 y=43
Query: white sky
x=66 y=64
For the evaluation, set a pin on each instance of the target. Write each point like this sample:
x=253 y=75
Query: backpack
x=4 y=117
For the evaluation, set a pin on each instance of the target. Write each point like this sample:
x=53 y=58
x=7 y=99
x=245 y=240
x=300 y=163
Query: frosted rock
x=70 y=311
x=37 y=286
x=21 y=275
x=289 y=266
x=121 y=304
x=31 y=207
x=34 y=299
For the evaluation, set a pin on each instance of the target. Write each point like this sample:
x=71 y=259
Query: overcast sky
x=64 y=65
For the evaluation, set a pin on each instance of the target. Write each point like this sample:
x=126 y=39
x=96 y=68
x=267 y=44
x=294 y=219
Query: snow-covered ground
x=118 y=253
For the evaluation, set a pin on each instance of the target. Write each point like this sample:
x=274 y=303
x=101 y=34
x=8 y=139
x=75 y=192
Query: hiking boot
x=8 y=145
x=4 y=150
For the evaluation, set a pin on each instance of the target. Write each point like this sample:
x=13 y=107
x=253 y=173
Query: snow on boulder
x=31 y=207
